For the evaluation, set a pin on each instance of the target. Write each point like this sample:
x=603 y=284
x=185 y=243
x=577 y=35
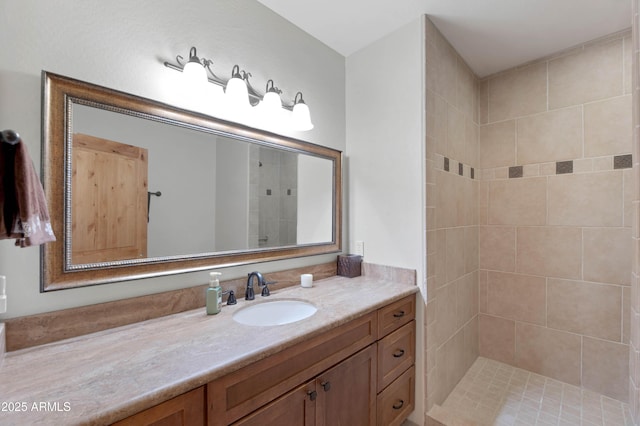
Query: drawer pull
x=326 y=386
x=312 y=395
x=398 y=405
x=399 y=353
x=399 y=314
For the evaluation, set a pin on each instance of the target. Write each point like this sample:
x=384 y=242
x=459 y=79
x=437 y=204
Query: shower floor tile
x=493 y=393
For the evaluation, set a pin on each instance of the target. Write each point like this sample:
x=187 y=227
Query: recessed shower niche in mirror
x=149 y=189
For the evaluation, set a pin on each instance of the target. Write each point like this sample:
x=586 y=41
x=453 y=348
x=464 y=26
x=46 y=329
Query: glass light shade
x=271 y=104
x=237 y=94
x=301 y=117
x=195 y=72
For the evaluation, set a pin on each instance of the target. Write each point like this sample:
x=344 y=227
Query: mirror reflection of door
x=109 y=200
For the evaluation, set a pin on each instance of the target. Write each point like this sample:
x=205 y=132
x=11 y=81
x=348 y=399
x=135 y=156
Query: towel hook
x=9 y=136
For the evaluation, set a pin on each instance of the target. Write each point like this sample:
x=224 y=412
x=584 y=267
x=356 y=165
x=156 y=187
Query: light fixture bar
x=254 y=96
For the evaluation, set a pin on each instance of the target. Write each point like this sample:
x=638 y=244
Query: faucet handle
x=231 y=299
x=265 y=290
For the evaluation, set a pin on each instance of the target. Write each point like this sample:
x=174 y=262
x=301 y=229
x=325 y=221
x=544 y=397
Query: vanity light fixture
x=240 y=94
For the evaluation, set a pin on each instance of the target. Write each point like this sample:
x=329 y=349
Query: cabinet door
x=347 y=392
x=183 y=410
x=296 y=408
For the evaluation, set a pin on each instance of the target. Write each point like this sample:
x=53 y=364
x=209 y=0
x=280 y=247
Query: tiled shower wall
x=451 y=338
x=555 y=207
x=634 y=353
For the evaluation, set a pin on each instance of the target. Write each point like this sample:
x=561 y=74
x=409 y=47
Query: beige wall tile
x=471 y=342
x=440 y=264
x=471 y=249
x=547 y=169
x=468 y=201
x=582 y=166
x=450 y=367
x=455 y=134
x=626 y=314
x=531 y=170
x=605 y=368
x=519 y=201
x=589 y=199
x=628 y=181
x=455 y=250
x=446 y=310
x=443 y=59
x=517 y=297
x=483 y=99
x=498 y=144
x=466 y=85
x=627 y=58
x=483 y=202
x=607 y=255
x=518 y=92
x=497 y=338
x=467 y=298
x=471 y=143
x=446 y=204
x=585 y=308
x=592 y=74
x=552 y=353
x=482 y=296
x=498 y=248
x=603 y=164
x=552 y=252
x=607 y=127
x=437 y=121
x=551 y=136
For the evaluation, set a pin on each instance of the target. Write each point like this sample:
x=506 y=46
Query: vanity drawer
x=396 y=402
x=396 y=315
x=396 y=353
x=238 y=394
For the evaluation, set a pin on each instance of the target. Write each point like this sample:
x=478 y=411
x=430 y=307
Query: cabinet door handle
x=398 y=353
x=312 y=395
x=326 y=386
x=398 y=405
x=399 y=314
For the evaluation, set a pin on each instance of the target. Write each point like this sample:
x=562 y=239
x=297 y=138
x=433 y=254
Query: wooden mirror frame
x=57 y=273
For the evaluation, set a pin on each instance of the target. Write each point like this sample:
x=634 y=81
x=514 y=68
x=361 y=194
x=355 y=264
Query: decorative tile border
x=564 y=167
x=450 y=165
x=622 y=161
x=581 y=165
x=515 y=172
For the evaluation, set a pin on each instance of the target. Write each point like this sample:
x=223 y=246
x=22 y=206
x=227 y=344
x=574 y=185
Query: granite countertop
x=106 y=376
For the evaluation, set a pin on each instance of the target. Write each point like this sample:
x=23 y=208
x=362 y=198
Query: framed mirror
x=138 y=189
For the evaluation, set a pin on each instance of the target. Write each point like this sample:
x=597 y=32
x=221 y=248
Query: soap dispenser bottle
x=214 y=294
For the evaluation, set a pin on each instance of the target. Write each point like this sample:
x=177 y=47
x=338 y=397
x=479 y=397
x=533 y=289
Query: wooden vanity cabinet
x=343 y=395
x=240 y=393
x=359 y=374
x=396 y=362
x=184 y=410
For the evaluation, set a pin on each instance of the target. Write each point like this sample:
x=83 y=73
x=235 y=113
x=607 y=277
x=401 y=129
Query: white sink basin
x=277 y=312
